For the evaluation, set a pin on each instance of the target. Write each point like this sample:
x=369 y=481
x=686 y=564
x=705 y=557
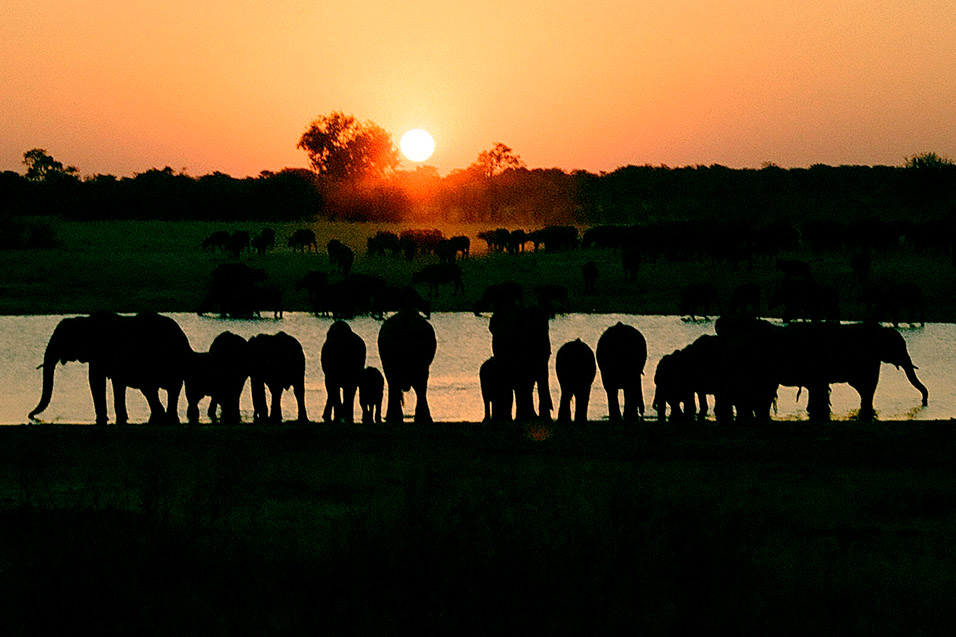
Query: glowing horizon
x=219 y=86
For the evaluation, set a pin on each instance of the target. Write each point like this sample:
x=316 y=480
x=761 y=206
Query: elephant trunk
x=49 y=367
x=910 y=371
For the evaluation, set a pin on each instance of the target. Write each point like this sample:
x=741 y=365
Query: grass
x=140 y=265
x=796 y=529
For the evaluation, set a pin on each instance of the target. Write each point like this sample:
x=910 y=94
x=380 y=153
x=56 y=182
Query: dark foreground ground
x=795 y=528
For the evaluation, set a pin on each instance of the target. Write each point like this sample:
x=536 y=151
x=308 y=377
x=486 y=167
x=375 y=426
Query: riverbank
x=468 y=528
x=131 y=266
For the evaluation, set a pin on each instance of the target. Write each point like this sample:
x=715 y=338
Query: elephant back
x=621 y=351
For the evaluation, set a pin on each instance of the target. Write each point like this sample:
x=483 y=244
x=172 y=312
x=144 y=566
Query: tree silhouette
x=42 y=167
x=341 y=148
x=496 y=160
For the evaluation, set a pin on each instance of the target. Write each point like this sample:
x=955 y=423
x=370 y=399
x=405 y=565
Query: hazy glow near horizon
x=120 y=87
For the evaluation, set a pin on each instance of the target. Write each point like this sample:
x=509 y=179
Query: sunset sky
x=121 y=86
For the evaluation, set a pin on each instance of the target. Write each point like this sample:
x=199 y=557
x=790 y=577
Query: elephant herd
x=742 y=366
x=151 y=352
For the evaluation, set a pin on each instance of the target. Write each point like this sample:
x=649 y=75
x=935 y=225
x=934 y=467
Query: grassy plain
x=132 y=266
x=465 y=529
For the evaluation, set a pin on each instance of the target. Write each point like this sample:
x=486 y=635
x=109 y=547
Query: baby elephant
x=371 y=390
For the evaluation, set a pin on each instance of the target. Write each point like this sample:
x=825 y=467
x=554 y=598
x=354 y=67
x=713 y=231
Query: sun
x=417 y=145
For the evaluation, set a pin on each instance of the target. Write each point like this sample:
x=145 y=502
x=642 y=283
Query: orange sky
x=120 y=86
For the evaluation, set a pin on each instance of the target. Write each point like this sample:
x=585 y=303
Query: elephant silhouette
x=343 y=364
x=437 y=274
x=276 y=361
x=621 y=355
x=147 y=351
x=340 y=256
x=406 y=346
x=221 y=374
x=520 y=340
x=371 y=393
x=496 y=395
x=816 y=355
x=575 y=367
x=303 y=239
x=235 y=291
x=725 y=366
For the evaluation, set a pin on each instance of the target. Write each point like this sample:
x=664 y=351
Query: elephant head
x=891 y=348
x=74 y=339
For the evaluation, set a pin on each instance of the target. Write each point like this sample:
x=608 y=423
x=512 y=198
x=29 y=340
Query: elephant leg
x=259 y=409
x=348 y=403
x=866 y=392
x=422 y=413
x=211 y=411
x=298 y=390
x=544 y=396
x=192 y=409
x=119 y=404
x=98 y=391
x=157 y=415
x=394 y=410
x=275 y=413
x=524 y=402
x=332 y=405
x=172 y=403
x=564 y=408
x=613 y=404
x=581 y=401
x=818 y=403
x=702 y=412
x=486 y=400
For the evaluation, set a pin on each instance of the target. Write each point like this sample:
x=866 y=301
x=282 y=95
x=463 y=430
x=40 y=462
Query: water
x=463 y=344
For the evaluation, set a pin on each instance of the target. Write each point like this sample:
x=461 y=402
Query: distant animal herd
x=240 y=290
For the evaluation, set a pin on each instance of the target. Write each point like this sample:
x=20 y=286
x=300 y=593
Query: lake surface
x=464 y=342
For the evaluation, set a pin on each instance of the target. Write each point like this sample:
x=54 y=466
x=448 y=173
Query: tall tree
x=341 y=148
x=42 y=167
x=497 y=160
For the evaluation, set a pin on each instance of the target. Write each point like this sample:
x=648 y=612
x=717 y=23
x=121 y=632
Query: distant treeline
x=628 y=195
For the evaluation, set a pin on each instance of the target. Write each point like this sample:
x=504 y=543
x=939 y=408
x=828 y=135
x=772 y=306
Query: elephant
x=343 y=364
x=575 y=367
x=438 y=274
x=147 y=351
x=303 y=239
x=371 y=391
x=234 y=291
x=496 y=395
x=520 y=340
x=406 y=346
x=276 y=361
x=621 y=355
x=816 y=355
x=729 y=367
x=673 y=387
x=340 y=256
x=221 y=374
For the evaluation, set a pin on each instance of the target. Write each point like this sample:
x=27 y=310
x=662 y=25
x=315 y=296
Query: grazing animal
x=303 y=239
x=340 y=256
x=438 y=274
